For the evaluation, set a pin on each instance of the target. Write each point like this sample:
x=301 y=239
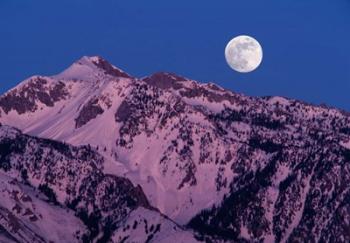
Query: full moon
x=243 y=54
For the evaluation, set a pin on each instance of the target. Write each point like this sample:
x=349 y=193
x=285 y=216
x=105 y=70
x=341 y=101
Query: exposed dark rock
x=25 y=98
x=123 y=112
x=89 y=111
x=110 y=69
x=164 y=80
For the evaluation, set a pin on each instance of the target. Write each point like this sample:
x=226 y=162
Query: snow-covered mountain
x=25 y=216
x=230 y=166
x=133 y=123
x=54 y=192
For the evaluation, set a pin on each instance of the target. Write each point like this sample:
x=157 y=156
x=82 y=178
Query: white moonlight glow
x=243 y=54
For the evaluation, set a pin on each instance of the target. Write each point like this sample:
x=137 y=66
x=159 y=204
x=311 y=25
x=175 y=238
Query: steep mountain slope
x=25 y=216
x=263 y=168
x=298 y=192
x=70 y=177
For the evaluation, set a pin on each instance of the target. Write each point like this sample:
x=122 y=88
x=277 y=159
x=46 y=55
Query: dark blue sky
x=306 y=43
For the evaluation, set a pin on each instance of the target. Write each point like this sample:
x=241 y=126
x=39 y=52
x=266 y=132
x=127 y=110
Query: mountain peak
x=88 y=60
x=88 y=66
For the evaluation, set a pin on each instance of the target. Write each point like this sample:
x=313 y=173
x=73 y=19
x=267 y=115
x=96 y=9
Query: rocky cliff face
x=36 y=89
x=231 y=167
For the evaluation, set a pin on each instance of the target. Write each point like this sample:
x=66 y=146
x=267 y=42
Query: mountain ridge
x=198 y=150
